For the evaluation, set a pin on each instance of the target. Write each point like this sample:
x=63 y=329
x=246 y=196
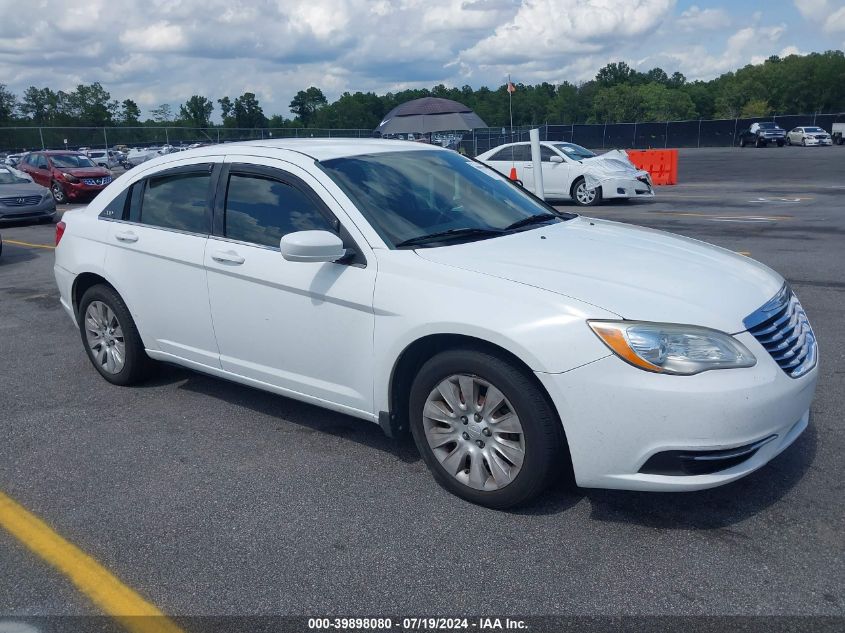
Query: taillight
x=60 y=230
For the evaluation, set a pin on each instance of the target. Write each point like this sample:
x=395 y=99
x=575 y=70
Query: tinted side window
x=114 y=209
x=178 y=201
x=502 y=155
x=261 y=210
x=41 y=161
x=546 y=154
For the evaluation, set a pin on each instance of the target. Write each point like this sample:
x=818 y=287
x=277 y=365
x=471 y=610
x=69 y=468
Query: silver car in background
x=808 y=135
x=22 y=200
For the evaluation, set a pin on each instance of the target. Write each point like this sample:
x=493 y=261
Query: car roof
x=321 y=149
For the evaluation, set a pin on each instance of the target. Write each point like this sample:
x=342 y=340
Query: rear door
x=305 y=328
x=36 y=166
x=156 y=247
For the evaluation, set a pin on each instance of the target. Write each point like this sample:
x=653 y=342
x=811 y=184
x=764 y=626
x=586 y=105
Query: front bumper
x=81 y=190
x=626 y=188
x=818 y=141
x=617 y=417
x=44 y=210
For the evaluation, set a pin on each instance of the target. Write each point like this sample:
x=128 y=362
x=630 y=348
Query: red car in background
x=70 y=176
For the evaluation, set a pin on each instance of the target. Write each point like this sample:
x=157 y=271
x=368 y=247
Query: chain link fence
x=696 y=133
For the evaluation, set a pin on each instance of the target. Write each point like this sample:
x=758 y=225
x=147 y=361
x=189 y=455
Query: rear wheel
x=583 y=196
x=484 y=428
x=111 y=338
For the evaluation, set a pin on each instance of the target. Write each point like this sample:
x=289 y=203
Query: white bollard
x=534 y=135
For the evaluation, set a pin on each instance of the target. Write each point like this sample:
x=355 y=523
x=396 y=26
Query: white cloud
x=695 y=19
x=548 y=28
x=158 y=51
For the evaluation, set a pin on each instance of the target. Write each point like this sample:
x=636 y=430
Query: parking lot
x=210 y=498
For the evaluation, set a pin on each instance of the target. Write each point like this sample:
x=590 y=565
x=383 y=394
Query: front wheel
x=484 y=428
x=58 y=193
x=788 y=141
x=585 y=197
x=780 y=143
x=111 y=338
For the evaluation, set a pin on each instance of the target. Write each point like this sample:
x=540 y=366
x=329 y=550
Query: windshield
x=408 y=195
x=573 y=151
x=814 y=130
x=71 y=160
x=766 y=126
x=8 y=178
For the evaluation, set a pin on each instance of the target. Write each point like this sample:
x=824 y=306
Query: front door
x=305 y=328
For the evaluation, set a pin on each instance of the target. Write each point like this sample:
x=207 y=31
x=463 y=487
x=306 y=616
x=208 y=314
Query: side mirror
x=555 y=159
x=312 y=246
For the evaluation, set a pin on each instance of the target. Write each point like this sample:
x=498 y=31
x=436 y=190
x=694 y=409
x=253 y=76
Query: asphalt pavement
x=211 y=498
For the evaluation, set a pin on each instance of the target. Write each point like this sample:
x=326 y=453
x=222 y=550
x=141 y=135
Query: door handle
x=227 y=257
x=529 y=166
x=127 y=236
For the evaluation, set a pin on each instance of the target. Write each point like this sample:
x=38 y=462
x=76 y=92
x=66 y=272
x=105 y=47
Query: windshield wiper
x=450 y=233
x=531 y=219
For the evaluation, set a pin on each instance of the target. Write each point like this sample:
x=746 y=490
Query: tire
x=742 y=142
x=803 y=142
x=58 y=193
x=585 y=201
x=780 y=143
x=92 y=328
x=759 y=143
x=788 y=141
x=469 y=444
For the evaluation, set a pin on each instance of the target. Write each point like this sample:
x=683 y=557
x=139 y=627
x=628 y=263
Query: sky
x=164 y=51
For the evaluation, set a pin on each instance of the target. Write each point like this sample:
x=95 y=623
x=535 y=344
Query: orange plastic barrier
x=662 y=164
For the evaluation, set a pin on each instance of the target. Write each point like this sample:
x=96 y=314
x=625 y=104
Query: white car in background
x=565 y=167
x=808 y=135
x=406 y=285
x=109 y=159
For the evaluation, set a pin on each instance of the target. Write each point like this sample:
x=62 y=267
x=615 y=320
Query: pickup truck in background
x=761 y=134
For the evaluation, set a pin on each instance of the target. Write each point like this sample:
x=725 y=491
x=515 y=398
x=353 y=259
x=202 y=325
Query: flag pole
x=510 y=104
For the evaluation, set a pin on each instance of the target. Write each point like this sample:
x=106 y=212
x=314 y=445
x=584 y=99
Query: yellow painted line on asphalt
x=17 y=243
x=95 y=581
x=746 y=253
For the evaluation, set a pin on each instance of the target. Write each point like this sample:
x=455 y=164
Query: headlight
x=70 y=177
x=668 y=348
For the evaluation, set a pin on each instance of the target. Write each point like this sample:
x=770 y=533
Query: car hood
x=22 y=189
x=85 y=172
x=637 y=273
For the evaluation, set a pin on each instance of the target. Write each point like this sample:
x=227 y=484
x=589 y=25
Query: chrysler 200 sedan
x=411 y=287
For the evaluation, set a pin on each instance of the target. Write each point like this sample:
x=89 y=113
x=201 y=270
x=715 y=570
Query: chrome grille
x=20 y=201
x=97 y=181
x=782 y=327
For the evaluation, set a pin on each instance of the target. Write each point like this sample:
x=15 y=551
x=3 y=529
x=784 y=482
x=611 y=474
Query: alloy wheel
x=474 y=432
x=583 y=195
x=58 y=192
x=104 y=335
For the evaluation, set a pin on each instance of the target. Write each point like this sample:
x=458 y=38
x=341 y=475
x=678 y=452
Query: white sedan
x=809 y=135
x=410 y=287
x=565 y=172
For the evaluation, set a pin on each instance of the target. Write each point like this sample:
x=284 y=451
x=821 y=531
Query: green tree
x=8 y=104
x=35 y=104
x=247 y=112
x=755 y=108
x=163 y=113
x=196 y=111
x=130 y=113
x=616 y=73
x=306 y=103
